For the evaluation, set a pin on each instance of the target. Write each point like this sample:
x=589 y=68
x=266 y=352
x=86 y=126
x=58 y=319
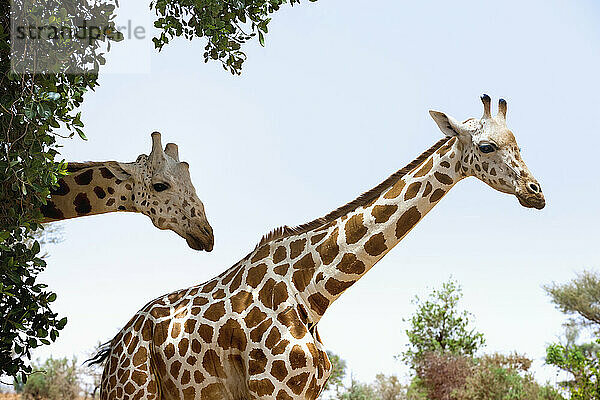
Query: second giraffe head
x=162 y=189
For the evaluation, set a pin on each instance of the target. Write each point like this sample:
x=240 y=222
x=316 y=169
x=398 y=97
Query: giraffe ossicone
x=157 y=185
x=251 y=332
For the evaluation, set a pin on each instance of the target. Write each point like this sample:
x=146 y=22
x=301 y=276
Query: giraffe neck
x=337 y=254
x=88 y=190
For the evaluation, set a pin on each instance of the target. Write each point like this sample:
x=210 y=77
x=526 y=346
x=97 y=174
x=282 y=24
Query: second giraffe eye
x=159 y=187
x=486 y=148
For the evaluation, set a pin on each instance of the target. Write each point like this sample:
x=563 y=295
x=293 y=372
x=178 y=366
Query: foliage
x=439 y=326
x=442 y=373
x=357 y=391
x=446 y=376
x=389 y=387
x=338 y=372
x=585 y=370
x=56 y=380
x=32 y=108
x=227 y=24
x=505 y=378
x=580 y=298
x=416 y=390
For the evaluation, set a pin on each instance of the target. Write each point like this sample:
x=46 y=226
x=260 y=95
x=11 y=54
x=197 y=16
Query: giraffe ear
x=448 y=125
x=119 y=170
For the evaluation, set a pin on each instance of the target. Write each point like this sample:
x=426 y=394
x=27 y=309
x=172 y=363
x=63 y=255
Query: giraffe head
x=490 y=153
x=162 y=189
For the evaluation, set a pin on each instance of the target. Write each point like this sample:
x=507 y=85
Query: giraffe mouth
x=537 y=202
x=198 y=243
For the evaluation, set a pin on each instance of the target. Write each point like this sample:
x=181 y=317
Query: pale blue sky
x=336 y=102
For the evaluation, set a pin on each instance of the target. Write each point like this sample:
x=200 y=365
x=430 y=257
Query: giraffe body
x=156 y=185
x=251 y=333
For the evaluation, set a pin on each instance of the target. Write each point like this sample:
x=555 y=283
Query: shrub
x=443 y=373
x=56 y=380
x=504 y=378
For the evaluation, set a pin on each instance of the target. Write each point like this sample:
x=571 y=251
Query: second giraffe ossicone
x=251 y=333
x=157 y=185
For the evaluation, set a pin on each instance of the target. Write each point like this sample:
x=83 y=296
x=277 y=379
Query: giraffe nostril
x=533 y=188
x=207 y=231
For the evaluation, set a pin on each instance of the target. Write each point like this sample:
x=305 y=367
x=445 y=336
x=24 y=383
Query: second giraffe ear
x=448 y=125
x=119 y=170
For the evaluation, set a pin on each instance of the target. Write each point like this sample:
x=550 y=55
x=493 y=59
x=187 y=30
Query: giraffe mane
x=78 y=166
x=363 y=199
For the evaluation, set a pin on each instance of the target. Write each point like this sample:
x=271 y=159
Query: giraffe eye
x=486 y=148
x=159 y=187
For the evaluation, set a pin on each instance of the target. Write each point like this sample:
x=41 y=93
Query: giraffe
x=251 y=332
x=157 y=185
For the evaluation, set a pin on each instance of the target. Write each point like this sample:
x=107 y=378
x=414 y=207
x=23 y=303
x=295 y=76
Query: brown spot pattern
x=215 y=311
x=383 y=213
x=84 y=178
x=428 y=189
x=407 y=221
x=355 y=229
x=297 y=357
x=395 y=190
x=329 y=249
x=296 y=247
x=231 y=335
x=425 y=168
x=290 y=319
x=335 y=287
x=443 y=178
x=412 y=190
x=254 y=317
x=376 y=245
x=240 y=301
x=49 y=210
x=260 y=254
x=279 y=370
x=279 y=255
x=437 y=194
x=212 y=364
x=82 y=204
x=256 y=275
x=61 y=190
x=350 y=264
x=318 y=302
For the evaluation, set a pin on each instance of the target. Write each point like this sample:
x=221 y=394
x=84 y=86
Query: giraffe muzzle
x=530 y=200
x=203 y=240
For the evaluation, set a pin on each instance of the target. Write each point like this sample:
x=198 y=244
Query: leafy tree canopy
x=438 y=325
x=226 y=24
x=33 y=106
x=579 y=298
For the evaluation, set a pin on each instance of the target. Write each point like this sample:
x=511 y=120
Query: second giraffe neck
x=88 y=191
x=326 y=260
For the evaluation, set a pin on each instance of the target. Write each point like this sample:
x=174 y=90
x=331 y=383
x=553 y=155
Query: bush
x=56 y=380
x=585 y=370
x=454 y=377
x=504 y=377
x=443 y=373
x=388 y=387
